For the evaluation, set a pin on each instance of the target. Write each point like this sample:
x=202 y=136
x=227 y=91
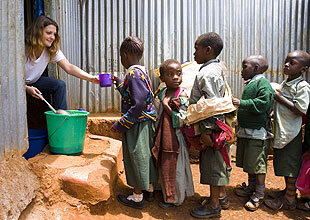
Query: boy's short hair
x=164 y=66
x=304 y=58
x=211 y=39
x=132 y=45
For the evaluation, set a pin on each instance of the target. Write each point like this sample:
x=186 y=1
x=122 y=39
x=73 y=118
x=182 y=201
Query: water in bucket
x=66 y=133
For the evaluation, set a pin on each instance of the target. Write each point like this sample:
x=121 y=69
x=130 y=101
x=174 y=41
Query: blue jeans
x=54 y=87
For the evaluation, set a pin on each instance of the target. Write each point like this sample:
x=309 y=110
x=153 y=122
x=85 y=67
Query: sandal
x=254 y=202
x=244 y=190
x=305 y=206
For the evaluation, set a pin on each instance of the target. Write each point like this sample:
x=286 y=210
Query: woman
x=42 y=47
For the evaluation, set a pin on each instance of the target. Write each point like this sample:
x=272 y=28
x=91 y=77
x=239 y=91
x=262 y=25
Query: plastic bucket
x=66 y=133
x=37 y=141
x=105 y=79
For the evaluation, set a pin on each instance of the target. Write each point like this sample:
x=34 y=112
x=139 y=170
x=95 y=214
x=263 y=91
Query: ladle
x=59 y=111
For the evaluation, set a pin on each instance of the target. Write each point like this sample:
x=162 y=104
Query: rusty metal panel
x=92 y=32
x=13 y=122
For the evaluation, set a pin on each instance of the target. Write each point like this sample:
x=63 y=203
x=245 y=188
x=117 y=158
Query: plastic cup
x=105 y=79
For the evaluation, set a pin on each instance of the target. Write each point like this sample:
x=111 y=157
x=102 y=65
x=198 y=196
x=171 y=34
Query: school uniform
x=210 y=82
x=287 y=143
x=252 y=136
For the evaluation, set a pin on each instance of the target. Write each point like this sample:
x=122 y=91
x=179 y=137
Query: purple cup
x=105 y=79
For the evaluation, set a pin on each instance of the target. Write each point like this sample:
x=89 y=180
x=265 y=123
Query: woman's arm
x=76 y=71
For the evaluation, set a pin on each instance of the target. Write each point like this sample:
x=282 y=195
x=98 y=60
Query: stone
x=18 y=186
x=94 y=183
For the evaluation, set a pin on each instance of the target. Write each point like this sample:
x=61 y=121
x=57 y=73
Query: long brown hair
x=33 y=41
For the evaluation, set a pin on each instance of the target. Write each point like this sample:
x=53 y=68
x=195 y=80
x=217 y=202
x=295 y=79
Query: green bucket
x=66 y=133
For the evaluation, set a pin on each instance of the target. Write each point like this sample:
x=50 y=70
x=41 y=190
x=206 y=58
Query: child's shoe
x=165 y=205
x=280 y=203
x=244 y=190
x=206 y=211
x=254 y=202
x=224 y=202
x=303 y=205
x=129 y=201
x=277 y=194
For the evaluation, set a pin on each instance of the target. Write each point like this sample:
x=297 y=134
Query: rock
x=86 y=178
x=94 y=183
x=18 y=187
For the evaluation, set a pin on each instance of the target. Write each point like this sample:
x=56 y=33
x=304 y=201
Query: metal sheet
x=13 y=124
x=92 y=32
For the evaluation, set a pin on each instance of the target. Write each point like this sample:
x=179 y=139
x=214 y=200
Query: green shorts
x=286 y=161
x=213 y=168
x=252 y=155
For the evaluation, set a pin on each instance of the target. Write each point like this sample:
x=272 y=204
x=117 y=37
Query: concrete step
x=88 y=178
x=101 y=123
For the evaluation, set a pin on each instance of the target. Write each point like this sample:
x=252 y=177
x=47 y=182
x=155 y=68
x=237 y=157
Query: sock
x=135 y=197
x=260 y=191
x=251 y=183
x=290 y=189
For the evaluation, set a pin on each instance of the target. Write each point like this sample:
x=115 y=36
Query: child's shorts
x=286 y=161
x=213 y=168
x=252 y=155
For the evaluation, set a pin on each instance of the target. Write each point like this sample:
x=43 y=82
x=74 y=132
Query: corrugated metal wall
x=92 y=32
x=13 y=120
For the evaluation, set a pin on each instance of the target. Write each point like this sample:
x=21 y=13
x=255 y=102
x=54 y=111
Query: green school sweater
x=255 y=104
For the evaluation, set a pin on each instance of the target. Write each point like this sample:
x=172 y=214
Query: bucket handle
x=57 y=127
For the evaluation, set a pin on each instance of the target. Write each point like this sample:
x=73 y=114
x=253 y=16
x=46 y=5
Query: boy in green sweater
x=252 y=136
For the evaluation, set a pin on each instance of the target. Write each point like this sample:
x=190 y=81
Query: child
x=292 y=101
x=136 y=125
x=252 y=136
x=170 y=146
x=210 y=82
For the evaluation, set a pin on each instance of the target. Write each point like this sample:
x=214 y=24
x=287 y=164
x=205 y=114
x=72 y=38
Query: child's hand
x=277 y=95
x=235 y=101
x=206 y=140
x=166 y=101
x=114 y=79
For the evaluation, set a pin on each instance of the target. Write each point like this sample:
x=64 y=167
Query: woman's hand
x=95 y=79
x=33 y=91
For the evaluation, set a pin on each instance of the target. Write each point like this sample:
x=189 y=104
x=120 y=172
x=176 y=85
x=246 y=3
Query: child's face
x=124 y=59
x=172 y=76
x=200 y=53
x=292 y=65
x=248 y=69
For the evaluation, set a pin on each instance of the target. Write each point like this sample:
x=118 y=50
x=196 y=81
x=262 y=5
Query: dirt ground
x=113 y=210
